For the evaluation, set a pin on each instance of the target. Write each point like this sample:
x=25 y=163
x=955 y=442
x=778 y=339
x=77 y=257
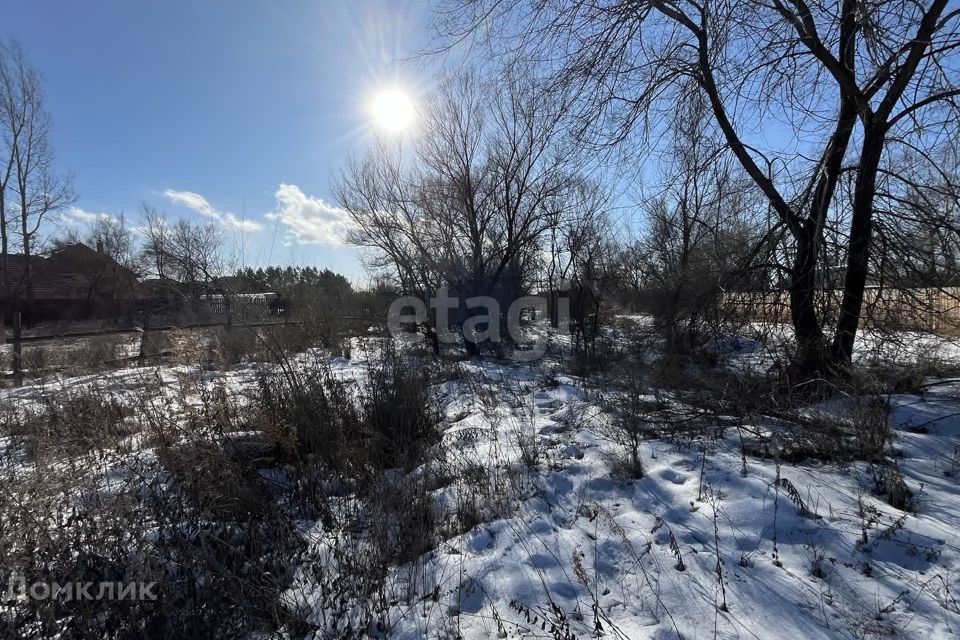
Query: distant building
x=76 y=282
x=71 y=282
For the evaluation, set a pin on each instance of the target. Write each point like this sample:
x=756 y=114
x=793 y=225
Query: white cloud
x=76 y=216
x=198 y=203
x=309 y=220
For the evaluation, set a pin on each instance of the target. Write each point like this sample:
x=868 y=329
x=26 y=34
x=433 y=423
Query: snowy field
x=606 y=553
x=711 y=543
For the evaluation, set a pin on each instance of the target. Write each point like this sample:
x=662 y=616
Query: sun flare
x=392 y=110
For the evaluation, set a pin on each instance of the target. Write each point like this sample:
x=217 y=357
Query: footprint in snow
x=674 y=476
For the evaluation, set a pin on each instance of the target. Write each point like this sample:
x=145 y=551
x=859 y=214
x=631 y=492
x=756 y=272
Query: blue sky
x=237 y=112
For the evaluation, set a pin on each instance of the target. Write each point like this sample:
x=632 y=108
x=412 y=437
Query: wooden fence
x=936 y=310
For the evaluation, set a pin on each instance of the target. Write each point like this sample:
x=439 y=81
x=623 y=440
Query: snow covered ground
x=584 y=553
x=706 y=545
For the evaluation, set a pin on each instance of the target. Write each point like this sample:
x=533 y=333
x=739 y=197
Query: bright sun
x=392 y=110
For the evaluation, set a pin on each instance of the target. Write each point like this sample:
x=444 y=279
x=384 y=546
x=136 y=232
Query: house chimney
x=99 y=245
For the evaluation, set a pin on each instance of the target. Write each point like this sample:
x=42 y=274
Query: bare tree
x=32 y=189
x=701 y=217
x=470 y=210
x=848 y=78
x=186 y=255
x=37 y=190
x=11 y=127
x=156 y=240
x=581 y=264
x=917 y=230
x=920 y=201
x=119 y=263
x=579 y=224
x=684 y=221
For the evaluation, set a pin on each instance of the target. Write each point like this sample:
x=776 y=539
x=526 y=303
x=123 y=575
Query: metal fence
x=238 y=308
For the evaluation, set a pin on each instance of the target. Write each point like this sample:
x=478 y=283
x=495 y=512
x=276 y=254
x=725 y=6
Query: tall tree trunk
x=25 y=228
x=814 y=357
x=806 y=320
x=554 y=298
x=858 y=256
x=671 y=318
x=5 y=258
x=677 y=343
x=432 y=336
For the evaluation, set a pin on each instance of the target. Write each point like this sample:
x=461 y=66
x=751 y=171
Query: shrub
x=398 y=413
x=889 y=483
x=211 y=509
x=391 y=422
x=633 y=420
x=197 y=520
x=72 y=422
x=235 y=345
x=212 y=482
x=36 y=360
x=309 y=413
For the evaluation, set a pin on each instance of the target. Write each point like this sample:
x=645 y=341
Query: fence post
x=17 y=348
